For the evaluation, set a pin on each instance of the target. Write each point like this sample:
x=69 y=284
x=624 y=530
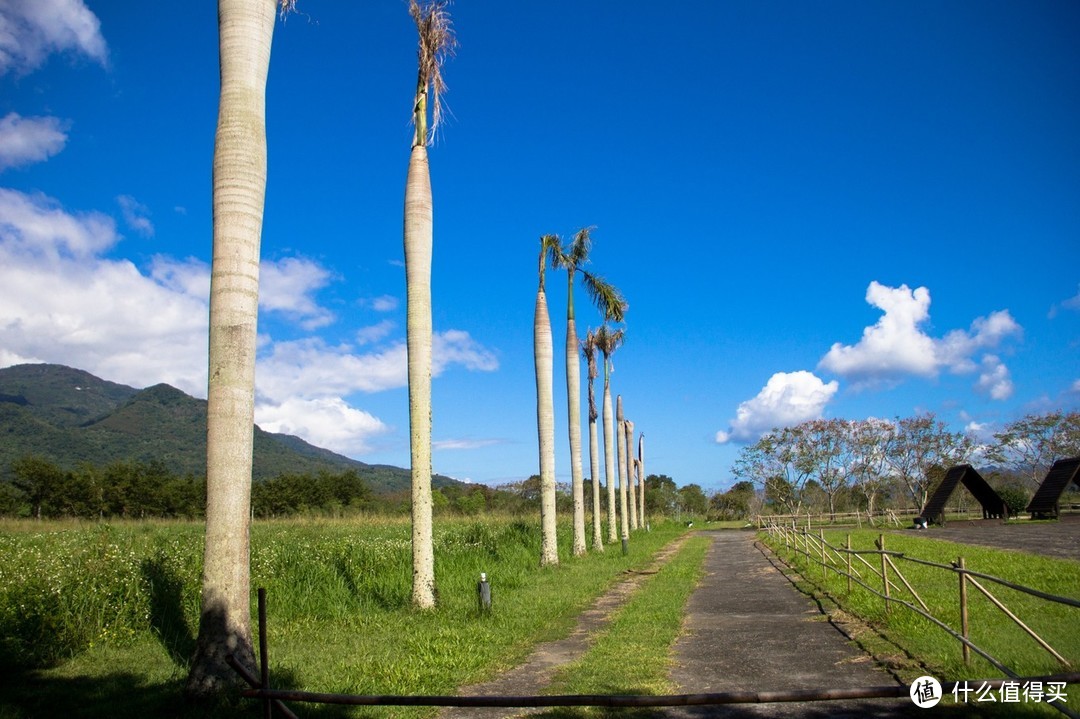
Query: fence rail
x=818 y=551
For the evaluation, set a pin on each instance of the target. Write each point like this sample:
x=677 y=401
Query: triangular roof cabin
x=1047 y=497
x=993 y=506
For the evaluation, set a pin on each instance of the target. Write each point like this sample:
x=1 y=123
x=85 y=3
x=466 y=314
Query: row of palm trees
x=245 y=32
x=618 y=432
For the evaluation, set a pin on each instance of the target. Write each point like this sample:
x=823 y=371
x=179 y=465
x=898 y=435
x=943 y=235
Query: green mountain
x=69 y=417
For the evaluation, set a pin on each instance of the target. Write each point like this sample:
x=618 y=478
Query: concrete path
x=749 y=629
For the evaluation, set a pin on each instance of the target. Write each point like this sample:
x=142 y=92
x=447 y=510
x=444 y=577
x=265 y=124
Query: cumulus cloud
x=327 y=422
x=31 y=30
x=136 y=215
x=62 y=300
x=787 y=399
x=897 y=346
x=1072 y=304
x=457 y=444
x=288 y=286
x=26 y=140
x=375 y=333
x=382 y=303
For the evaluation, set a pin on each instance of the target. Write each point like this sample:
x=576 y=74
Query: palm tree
x=610 y=302
x=588 y=350
x=436 y=42
x=545 y=411
x=631 y=469
x=245 y=32
x=620 y=437
x=641 y=478
x=607 y=341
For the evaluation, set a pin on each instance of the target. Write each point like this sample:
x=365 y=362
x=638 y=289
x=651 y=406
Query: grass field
x=920 y=646
x=99 y=620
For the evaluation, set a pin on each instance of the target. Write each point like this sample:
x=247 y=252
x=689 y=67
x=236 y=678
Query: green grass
x=928 y=649
x=99 y=620
x=633 y=655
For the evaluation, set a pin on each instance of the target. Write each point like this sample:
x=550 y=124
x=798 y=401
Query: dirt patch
x=1060 y=538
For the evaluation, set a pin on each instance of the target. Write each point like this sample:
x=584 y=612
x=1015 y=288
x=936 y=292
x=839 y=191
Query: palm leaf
x=437 y=42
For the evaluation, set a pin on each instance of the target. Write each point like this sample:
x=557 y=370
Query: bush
x=1015 y=498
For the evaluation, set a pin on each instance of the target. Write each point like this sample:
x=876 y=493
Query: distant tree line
x=837 y=465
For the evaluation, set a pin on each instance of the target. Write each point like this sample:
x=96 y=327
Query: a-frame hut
x=993 y=506
x=1046 y=501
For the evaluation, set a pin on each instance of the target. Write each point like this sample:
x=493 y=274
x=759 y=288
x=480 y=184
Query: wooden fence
x=887 y=580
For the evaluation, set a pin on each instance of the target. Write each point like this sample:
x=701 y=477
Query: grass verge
x=911 y=645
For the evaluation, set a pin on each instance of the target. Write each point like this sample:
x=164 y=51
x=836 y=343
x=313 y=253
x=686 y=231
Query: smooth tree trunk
x=641 y=478
x=594 y=469
x=543 y=353
x=573 y=404
x=620 y=437
x=245 y=30
x=610 y=473
x=418 y=249
x=632 y=472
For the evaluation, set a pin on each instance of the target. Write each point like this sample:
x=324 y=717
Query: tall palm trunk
x=418 y=248
x=543 y=354
x=588 y=348
x=573 y=411
x=609 y=455
x=631 y=472
x=245 y=29
x=620 y=437
x=436 y=41
x=641 y=478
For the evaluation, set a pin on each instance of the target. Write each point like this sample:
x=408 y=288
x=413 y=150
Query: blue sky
x=828 y=209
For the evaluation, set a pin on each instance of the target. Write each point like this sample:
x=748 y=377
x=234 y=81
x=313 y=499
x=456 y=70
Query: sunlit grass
x=90 y=609
x=932 y=649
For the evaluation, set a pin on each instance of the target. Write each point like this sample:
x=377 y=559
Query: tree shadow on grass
x=167 y=618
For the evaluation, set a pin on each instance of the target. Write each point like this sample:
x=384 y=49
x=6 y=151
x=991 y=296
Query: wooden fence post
x=824 y=559
x=884 y=570
x=849 y=564
x=964 y=611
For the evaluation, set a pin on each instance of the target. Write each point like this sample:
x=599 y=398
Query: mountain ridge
x=68 y=417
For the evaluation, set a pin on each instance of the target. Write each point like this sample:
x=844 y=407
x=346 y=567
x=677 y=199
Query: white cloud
x=136 y=215
x=36 y=225
x=994 y=378
x=288 y=286
x=787 y=399
x=383 y=303
x=896 y=345
x=375 y=333
x=61 y=302
x=1073 y=304
x=26 y=140
x=327 y=422
x=31 y=30
x=456 y=444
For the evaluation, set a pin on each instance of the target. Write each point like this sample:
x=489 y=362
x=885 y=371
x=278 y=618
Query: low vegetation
x=914 y=645
x=100 y=619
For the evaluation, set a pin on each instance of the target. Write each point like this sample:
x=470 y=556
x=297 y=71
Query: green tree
x=40 y=482
x=1031 y=444
x=610 y=302
x=691 y=499
x=588 y=349
x=436 y=42
x=660 y=493
x=923 y=449
x=607 y=341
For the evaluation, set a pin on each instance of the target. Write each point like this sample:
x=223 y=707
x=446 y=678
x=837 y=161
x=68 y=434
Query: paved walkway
x=747 y=628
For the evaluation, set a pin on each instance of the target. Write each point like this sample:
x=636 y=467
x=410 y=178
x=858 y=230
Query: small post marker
x=483 y=592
